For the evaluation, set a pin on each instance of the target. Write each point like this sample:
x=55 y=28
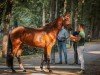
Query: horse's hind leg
x=48 y=58
x=20 y=64
x=48 y=65
x=19 y=60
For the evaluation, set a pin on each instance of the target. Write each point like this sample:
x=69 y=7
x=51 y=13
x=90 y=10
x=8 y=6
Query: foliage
x=29 y=12
x=27 y=50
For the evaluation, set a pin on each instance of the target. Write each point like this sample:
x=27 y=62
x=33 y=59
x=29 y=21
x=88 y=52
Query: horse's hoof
x=24 y=70
x=50 y=71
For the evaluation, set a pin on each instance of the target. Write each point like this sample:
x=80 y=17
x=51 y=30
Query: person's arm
x=74 y=38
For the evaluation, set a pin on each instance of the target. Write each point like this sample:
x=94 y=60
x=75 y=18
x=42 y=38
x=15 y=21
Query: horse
x=44 y=37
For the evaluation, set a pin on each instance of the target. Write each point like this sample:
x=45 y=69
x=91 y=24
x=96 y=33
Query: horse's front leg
x=44 y=59
x=20 y=64
x=48 y=65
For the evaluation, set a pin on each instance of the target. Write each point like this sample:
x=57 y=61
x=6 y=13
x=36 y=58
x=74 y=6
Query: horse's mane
x=52 y=25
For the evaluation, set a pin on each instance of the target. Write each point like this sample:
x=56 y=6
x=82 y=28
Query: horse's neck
x=59 y=25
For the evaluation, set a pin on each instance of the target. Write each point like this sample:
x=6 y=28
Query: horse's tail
x=9 y=58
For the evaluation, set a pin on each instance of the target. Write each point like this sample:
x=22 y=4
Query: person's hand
x=74 y=38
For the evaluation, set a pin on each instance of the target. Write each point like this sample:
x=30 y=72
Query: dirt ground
x=39 y=72
x=92 y=64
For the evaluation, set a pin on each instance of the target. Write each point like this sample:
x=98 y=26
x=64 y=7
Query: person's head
x=67 y=22
x=81 y=27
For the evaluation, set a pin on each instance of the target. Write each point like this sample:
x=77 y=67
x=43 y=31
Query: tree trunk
x=65 y=5
x=52 y=10
x=56 y=9
x=43 y=16
x=76 y=15
x=2 y=6
x=60 y=9
x=76 y=19
x=72 y=13
x=6 y=22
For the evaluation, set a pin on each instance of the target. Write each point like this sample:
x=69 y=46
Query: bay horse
x=44 y=37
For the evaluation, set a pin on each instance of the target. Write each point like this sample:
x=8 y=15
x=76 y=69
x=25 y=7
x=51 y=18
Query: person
x=89 y=36
x=76 y=33
x=62 y=36
x=80 y=46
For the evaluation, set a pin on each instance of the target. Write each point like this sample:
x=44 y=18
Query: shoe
x=75 y=63
x=82 y=72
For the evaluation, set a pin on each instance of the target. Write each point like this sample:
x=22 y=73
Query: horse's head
x=66 y=20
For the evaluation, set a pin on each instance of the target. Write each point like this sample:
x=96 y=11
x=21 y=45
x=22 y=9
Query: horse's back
x=21 y=30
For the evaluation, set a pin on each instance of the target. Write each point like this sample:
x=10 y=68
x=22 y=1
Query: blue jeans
x=62 y=47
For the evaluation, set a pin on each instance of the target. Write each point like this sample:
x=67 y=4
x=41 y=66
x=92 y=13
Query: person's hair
x=66 y=13
x=82 y=25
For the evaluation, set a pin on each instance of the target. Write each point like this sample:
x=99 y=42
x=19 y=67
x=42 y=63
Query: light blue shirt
x=63 y=34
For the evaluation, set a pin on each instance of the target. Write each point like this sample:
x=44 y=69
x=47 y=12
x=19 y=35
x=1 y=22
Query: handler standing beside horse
x=62 y=38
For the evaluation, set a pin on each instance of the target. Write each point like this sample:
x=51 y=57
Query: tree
x=6 y=22
x=52 y=9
